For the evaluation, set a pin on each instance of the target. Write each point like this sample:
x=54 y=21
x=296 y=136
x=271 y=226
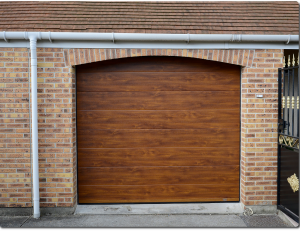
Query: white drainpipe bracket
x=4 y=36
x=50 y=37
x=288 y=40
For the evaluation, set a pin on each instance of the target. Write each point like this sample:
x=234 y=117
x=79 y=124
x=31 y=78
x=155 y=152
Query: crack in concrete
x=25 y=221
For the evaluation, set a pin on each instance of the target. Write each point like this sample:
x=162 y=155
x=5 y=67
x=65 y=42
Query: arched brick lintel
x=240 y=57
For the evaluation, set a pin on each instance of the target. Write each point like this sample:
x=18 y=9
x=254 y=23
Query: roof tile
x=278 y=17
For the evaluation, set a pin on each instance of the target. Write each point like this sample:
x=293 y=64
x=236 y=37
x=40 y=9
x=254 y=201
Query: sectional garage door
x=158 y=129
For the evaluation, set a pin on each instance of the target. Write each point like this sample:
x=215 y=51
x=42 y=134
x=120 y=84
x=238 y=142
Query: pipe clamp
x=50 y=37
x=4 y=37
x=288 y=40
x=26 y=35
x=236 y=38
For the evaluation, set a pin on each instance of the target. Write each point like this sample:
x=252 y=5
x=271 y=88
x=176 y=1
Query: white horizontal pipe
x=138 y=37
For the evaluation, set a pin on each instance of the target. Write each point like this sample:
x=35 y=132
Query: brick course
x=56 y=117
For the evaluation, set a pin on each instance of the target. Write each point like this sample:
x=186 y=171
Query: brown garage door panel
x=134 y=138
x=160 y=100
x=158 y=175
x=158 y=129
x=157 y=193
x=153 y=81
x=172 y=119
x=130 y=157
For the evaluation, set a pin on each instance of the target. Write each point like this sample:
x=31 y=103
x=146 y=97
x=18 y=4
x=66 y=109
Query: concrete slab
x=186 y=208
x=287 y=219
x=264 y=221
x=147 y=221
x=12 y=222
x=18 y=211
x=153 y=221
x=263 y=209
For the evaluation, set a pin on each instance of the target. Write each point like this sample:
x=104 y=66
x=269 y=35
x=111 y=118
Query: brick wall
x=56 y=113
x=56 y=118
x=259 y=129
x=15 y=167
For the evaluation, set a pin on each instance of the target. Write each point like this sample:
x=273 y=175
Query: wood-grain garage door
x=158 y=129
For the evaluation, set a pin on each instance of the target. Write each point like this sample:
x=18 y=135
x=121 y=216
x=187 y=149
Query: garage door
x=158 y=129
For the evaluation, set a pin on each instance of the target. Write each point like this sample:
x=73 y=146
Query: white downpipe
x=35 y=157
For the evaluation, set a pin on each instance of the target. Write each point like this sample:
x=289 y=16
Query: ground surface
x=144 y=221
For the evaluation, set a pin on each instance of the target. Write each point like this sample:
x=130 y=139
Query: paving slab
x=287 y=219
x=153 y=221
x=265 y=221
x=148 y=220
x=12 y=222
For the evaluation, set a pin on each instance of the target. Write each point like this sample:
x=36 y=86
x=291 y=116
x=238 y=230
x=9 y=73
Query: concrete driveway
x=151 y=215
x=163 y=221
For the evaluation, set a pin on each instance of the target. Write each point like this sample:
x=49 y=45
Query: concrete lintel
x=186 y=208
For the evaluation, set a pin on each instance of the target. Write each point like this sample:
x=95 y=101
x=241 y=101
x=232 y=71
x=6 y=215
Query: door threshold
x=180 y=208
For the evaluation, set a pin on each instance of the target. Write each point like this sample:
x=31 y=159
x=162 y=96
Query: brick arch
x=241 y=57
